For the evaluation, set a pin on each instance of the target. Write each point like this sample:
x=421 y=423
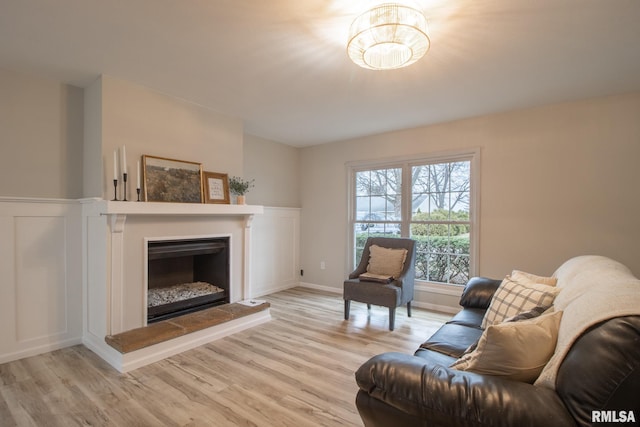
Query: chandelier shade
x=388 y=36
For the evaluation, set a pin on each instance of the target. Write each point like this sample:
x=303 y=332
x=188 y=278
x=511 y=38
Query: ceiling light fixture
x=388 y=36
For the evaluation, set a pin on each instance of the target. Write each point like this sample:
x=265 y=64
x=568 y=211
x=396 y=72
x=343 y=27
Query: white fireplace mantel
x=108 y=207
x=119 y=210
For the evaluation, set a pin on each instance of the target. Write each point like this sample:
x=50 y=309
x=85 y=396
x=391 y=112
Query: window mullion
x=407 y=200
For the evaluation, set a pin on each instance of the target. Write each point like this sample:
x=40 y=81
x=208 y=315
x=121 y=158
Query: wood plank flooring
x=296 y=370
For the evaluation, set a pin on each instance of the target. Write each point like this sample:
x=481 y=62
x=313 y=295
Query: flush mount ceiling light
x=388 y=36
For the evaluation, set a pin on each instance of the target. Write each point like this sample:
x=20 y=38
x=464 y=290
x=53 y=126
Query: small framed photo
x=169 y=180
x=216 y=187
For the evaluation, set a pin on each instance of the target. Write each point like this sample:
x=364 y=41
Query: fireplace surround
x=116 y=281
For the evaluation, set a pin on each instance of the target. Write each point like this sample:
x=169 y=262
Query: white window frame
x=406 y=163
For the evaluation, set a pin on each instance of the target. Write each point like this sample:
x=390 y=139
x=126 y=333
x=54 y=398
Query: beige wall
x=41 y=124
x=275 y=168
x=152 y=123
x=556 y=182
x=58 y=140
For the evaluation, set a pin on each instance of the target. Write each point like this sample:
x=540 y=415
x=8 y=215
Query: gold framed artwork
x=170 y=180
x=216 y=187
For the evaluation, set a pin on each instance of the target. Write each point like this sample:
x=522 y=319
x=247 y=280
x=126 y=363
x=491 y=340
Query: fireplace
x=186 y=275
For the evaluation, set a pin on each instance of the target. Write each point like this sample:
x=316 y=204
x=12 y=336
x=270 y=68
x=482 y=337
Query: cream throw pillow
x=514 y=350
x=522 y=277
x=513 y=298
x=386 y=261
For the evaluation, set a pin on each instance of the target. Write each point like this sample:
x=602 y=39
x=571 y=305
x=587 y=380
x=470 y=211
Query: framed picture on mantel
x=169 y=180
x=216 y=187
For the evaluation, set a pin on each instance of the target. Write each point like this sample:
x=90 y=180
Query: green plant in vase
x=240 y=187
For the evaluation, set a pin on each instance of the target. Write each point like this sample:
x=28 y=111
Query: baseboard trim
x=262 y=292
x=330 y=289
x=435 y=288
x=435 y=307
x=41 y=349
x=420 y=304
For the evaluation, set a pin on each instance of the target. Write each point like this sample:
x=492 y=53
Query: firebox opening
x=186 y=276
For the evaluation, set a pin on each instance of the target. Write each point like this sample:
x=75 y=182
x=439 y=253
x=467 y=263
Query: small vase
x=240 y=200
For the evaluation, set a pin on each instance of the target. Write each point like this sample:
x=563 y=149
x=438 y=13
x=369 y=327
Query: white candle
x=124 y=159
x=138 y=174
x=115 y=164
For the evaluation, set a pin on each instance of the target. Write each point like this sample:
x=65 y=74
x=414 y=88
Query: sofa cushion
x=514 y=350
x=523 y=277
x=452 y=340
x=434 y=358
x=513 y=298
x=386 y=261
x=469 y=317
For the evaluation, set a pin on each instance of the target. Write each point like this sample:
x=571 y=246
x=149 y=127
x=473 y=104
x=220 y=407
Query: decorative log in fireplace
x=186 y=275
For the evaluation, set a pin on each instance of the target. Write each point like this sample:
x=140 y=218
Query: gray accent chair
x=394 y=294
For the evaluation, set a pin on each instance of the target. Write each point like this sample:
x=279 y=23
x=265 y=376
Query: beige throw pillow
x=386 y=261
x=514 y=350
x=513 y=298
x=522 y=277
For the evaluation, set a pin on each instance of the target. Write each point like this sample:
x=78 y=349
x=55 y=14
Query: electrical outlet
x=322 y=265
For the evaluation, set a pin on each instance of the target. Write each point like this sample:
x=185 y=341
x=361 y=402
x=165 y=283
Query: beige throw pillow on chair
x=386 y=261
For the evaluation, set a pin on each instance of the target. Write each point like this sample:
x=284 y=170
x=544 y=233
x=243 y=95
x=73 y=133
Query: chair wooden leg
x=409 y=309
x=368 y=306
x=392 y=318
x=347 y=304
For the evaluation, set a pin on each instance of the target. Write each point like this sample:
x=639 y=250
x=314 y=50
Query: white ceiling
x=281 y=65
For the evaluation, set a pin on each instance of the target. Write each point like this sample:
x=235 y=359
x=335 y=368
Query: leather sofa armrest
x=478 y=292
x=446 y=396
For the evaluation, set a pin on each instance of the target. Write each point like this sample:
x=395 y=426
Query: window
x=430 y=200
x=378 y=204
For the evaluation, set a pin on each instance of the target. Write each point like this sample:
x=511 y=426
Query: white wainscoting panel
x=41 y=271
x=40 y=282
x=275 y=251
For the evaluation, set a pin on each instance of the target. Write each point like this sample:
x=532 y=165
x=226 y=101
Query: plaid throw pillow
x=513 y=298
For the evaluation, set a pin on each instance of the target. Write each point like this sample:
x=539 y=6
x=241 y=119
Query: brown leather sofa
x=601 y=372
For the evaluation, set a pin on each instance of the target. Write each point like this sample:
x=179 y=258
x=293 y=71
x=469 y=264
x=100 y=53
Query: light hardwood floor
x=296 y=370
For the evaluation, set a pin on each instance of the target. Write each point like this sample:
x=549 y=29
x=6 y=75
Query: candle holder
x=138 y=191
x=124 y=179
x=115 y=190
